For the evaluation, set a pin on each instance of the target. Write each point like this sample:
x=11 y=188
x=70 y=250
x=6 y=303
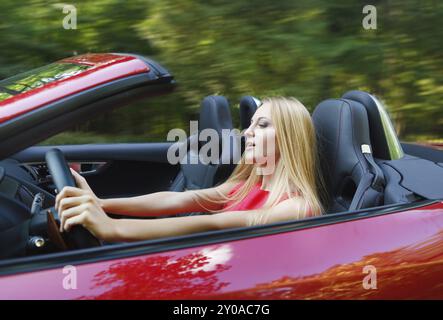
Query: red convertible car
x=381 y=238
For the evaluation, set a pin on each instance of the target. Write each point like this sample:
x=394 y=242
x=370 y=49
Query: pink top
x=254 y=200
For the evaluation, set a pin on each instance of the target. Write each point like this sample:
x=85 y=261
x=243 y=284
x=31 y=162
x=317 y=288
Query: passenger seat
x=408 y=178
x=353 y=178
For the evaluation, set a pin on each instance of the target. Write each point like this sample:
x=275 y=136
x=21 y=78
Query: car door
x=393 y=252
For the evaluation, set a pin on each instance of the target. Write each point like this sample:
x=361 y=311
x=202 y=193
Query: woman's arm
x=92 y=217
x=167 y=202
x=150 y=205
x=134 y=230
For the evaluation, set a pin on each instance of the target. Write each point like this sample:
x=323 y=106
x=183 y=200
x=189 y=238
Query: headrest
x=383 y=137
x=215 y=114
x=248 y=106
x=342 y=129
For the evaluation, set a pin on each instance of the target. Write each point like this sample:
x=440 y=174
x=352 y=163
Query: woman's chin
x=249 y=157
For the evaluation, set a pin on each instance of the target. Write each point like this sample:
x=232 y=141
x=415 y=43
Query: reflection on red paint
x=159 y=277
x=410 y=272
x=322 y=262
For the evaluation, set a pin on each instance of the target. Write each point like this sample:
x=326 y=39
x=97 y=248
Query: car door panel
x=332 y=261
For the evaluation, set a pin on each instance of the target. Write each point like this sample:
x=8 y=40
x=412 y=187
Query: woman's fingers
x=92 y=217
x=67 y=203
x=75 y=220
x=67 y=192
x=71 y=212
x=80 y=180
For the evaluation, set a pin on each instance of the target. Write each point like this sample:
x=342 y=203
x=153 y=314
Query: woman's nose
x=249 y=132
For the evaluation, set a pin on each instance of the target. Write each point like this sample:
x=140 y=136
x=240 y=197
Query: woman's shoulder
x=297 y=205
x=230 y=187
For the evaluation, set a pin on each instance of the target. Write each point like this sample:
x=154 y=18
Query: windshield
x=38 y=77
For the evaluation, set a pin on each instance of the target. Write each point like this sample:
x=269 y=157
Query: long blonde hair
x=297 y=171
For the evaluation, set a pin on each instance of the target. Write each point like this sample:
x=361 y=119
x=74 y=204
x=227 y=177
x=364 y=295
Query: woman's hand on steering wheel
x=80 y=206
x=83 y=184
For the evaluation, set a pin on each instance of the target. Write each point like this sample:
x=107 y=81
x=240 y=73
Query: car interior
x=409 y=176
x=364 y=164
x=362 y=160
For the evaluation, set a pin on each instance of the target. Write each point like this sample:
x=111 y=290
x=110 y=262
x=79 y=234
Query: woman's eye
x=262 y=124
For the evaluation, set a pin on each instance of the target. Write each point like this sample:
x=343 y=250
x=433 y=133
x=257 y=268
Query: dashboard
x=22 y=182
x=22 y=187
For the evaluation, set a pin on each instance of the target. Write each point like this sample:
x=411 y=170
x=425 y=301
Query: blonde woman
x=277 y=180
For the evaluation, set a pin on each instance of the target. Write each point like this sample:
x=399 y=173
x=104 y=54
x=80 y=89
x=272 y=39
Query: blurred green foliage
x=312 y=50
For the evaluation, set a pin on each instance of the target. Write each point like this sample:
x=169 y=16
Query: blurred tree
x=309 y=49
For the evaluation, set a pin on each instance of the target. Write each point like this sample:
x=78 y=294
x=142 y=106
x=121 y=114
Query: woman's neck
x=266 y=181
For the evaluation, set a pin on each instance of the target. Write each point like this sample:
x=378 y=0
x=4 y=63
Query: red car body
x=397 y=249
x=321 y=262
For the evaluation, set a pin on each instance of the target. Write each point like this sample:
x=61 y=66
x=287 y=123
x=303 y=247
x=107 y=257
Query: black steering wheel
x=78 y=237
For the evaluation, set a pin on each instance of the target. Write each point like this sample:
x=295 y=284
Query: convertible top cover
x=45 y=101
x=27 y=91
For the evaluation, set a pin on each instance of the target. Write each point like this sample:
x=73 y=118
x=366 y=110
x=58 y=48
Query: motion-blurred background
x=312 y=50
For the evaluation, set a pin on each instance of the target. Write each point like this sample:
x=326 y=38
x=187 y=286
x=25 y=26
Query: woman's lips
x=250 y=145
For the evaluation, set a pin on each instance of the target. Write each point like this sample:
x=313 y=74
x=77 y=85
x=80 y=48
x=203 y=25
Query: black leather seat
x=248 y=106
x=408 y=178
x=353 y=179
x=384 y=139
x=196 y=174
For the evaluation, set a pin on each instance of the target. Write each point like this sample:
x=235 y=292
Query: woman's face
x=261 y=144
